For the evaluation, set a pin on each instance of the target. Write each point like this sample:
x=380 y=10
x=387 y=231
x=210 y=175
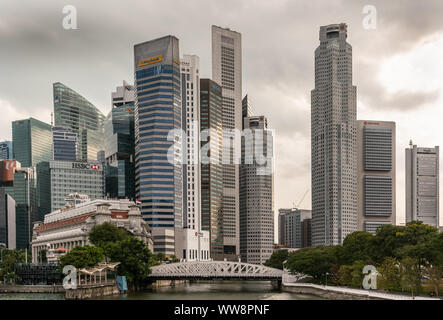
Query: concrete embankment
x=14 y=288
x=341 y=293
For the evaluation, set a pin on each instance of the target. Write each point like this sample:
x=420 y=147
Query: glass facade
x=157 y=112
x=6 y=150
x=31 y=141
x=73 y=111
x=120 y=151
x=65 y=144
x=211 y=173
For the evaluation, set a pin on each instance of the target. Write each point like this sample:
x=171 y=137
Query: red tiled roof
x=65 y=222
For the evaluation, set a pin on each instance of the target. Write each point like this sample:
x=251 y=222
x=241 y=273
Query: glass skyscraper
x=73 y=111
x=211 y=119
x=6 y=150
x=65 y=144
x=158 y=112
x=119 y=145
x=31 y=141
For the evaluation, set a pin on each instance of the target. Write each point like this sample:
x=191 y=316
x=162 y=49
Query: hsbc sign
x=85 y=166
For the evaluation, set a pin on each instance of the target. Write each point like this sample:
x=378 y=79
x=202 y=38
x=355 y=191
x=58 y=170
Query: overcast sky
x=397 y=67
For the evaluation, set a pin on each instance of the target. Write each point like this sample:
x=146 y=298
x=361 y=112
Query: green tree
x=313 y=261
x=358 y=245
x=344 y=275
x=277 y=258
x=82 y=257
x=135 y=260
x=389 y=277
x=7 y=265
x=357 y=273
x=410 y=275
x=105 y=233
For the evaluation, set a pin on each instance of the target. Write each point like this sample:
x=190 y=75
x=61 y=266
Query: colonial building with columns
x=66 y=228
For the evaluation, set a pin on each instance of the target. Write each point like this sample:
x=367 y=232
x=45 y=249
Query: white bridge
x=214 y=270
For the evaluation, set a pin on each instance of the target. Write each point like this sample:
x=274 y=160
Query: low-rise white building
x=69 y=227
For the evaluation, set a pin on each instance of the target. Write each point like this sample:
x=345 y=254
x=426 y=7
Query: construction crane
x=301 y=200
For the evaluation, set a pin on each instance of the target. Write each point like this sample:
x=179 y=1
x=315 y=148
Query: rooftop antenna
x=410 y=143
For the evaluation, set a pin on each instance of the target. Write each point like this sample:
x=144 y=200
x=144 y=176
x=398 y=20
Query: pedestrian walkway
x=359 y=292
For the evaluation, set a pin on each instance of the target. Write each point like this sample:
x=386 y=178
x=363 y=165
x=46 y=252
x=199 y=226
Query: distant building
x=282 y=225
x=6 y=150
x=211 y=168
x=71 y=110
x=31 y=142
x=422 y=184
x=58 y=179
x=227 y=72
x=120 y=144
x=376 y=174
x=297 y=228
x=159 y=180
x=65 y=144
x=333 y=139
x=68 y=227
x=7 y=220
x=246 y=109
x=256 y=192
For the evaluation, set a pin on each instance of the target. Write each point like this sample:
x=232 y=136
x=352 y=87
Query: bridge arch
x=214 y=270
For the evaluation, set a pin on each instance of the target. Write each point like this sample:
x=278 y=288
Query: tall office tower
x=64 y=144
x=190 y=73
x=158 y=111
x=422 y=185
x=333 y=139
x=246 y=109
x=211 y=168
x=256 y=192
x=282 y=225
x=376 y=174
x=119 y=144
x=31 y=141
x=82 y=117
x=227 y=71
x=58 y=179
x=6 y=150
x=7 y=220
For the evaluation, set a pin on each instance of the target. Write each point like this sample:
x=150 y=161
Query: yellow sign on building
x=150 y=61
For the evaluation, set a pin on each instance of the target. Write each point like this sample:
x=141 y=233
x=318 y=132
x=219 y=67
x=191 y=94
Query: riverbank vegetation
x=408 y=259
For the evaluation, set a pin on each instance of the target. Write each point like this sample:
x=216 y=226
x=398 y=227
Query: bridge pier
x=276 y=284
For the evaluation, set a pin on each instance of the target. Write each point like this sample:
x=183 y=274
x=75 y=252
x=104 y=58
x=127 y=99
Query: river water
x=202 y=290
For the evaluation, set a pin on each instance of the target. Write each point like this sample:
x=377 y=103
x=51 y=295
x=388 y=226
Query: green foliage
x=389 y=277
x=357 y=246
x=82 y=257
x=10 y=258
x=410 y=275
x=344 y=275
x=313 y=261
x=135 y=260
x=276 y=259
x=105 y=233
x=357 y=273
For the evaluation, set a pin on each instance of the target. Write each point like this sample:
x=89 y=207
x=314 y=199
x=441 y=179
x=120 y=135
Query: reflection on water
x=202 y=290
x=217 y=290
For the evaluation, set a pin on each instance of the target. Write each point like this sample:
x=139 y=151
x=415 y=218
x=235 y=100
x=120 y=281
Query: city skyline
x=375 y=55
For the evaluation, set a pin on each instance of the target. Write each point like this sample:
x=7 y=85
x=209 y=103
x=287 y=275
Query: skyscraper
x=6 y=150
x=65 y=144
x=246 y=109
x=422 y=184
x=256 y=192
x=158 y=111
x=333 y=139
x=211 y=168
x=190 y=73
x=376 y=174
x=73 y=111
x=31 y=141
x=7 y=220
x=120 y=145
x=227 y=71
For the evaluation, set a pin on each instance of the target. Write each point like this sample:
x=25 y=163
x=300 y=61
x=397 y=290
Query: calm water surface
x=203 y=290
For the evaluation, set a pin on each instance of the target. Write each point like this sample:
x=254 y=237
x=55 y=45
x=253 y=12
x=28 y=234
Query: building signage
x=85 y=166
x=150 y=61
x=8 y=168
